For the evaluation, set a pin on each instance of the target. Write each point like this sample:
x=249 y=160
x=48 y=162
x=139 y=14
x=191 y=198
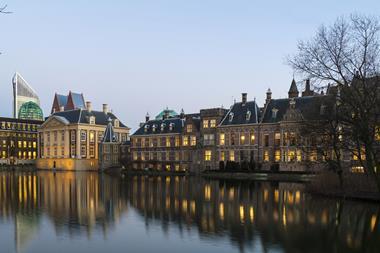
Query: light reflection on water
x=87 y=212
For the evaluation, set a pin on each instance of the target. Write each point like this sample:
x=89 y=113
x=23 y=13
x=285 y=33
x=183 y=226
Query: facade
x=247 y=136
x=66 y=103
x=18 y=141
x=109 y=149
x=24 y=93
x=69 y=140
x=166 y=144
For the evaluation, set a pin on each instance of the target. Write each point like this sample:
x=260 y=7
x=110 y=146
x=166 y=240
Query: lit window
x=205 y=123
x=189 y=128
x=208 y=155
x=357 y=169
x=277 y=155
x=266 y=156
x=167 y=141
x=213 y=123
x=242 y=139
x=252 y=138
x=377 y=133
x=299 y=156
x=222 y=139
x=92 y=136
x=313 y=156
x=177 y=141
x=222 y=156
x=232 y=155
x=291 y=156
x=185 y=141
x=277 y=139
x=167 y=167
x=193 y=141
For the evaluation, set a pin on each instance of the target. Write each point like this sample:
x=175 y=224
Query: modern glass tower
x=22 y=93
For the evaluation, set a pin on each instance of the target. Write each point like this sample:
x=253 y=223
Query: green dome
x=171 y=114
x=30 y=110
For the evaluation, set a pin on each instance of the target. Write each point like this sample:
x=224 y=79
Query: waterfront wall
x=69 y=164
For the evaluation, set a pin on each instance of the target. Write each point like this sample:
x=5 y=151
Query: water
x=86 y=212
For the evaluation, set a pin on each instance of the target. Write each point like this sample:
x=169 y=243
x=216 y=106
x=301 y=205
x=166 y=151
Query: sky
x=143 y=56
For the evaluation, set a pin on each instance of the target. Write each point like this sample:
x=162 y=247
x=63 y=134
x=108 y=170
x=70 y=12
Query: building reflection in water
x=242 y=213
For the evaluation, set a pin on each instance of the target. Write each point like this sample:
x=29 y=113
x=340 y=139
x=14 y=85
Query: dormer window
x=231 y=116
x=274 y=113
x=248 y=115
x=116 y=123
x=171 y=126
x=162 y=127
x=92 y=120
x=146 y=128
x=154 y=128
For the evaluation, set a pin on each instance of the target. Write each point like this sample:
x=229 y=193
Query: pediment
x=55 y=121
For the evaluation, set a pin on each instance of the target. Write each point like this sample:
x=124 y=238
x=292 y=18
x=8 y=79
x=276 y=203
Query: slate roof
x=293 y=87
x=239 y=111
x=171 y=113
x=109 y=134
x=78 y=100
x=147 y=127
x=309 y=107
x=83 y=116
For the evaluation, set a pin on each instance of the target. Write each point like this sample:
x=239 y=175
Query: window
x=100 y=136
x=207 y=155
x=25 y=144
x=167 y=141
x=171 y=126
x=205 y=123
x=209 y=139
x=292 y=139
x=266 y=156
x=313 y=156
x=222 y=139
x=252 y=138
x=154 y=128
x=185 y=141
x=291 y=156
x=62 y=151
x=248 y=116
x=55 y=151
x=277 y=139
x=231 y=116
x=213 y=123
x=277 y=155
x=266 y=140
x=299 y=156
x=162 y=127
x=92 y=136
x=189 y=128
x=83 y=151
x=83 y=135
x=377 y=133
x=146 y=128
x=177 y=156
x=193 y=140
x=176 y=141
x=167 y=167
x=242 y=139
x=116 y=123
x=92 y=151
x=34 y=144
x=274 y=113
x=55 y=136
x=232 y=155
x=92 y=120
x=222 y=156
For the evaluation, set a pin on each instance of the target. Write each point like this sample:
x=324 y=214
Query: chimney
x=147 y=117
x=62 y=108
x=308 y=91
x=269 y=96
x=105 y=108
x=88 y=106
x=244 y=98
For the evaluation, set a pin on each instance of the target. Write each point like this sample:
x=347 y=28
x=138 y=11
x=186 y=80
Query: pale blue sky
x=141 y=55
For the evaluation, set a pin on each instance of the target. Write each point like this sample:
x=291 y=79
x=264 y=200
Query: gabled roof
x=293 y=87
x=147 y=128
x=75 y=101
x=309 y=107
x=240 y=112
x=61 y=99
x=83 y=117
x=109 y=134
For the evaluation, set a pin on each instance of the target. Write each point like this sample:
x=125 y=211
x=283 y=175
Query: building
x=66 y=103
x=18 y=141
x=69 y=140
x=26 y=103
x=109 y=149
x=166 y=144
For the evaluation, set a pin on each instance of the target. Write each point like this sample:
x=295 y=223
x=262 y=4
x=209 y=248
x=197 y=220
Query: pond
x=89 y=212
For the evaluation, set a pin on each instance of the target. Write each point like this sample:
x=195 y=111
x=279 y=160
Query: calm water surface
x=87 y=212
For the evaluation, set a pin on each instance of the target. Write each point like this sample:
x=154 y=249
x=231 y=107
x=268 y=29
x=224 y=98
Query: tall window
x=252 y=138
x=205 y=123
x=232 y=155
x=242 y=139
x=266 y=140
x=222 y=139
x=83 y=135
x=176 y=140
x=189 y=128
x=193 y=140
x=185 y=140
x=277 y=139
x=299 y=156
x=92 y=136
x=291 y=156
x=62 y=136
x=266 y=156
x=213 y=123
x=167 y=141
x=277 y=155
x=222 y=156
x=208 y=155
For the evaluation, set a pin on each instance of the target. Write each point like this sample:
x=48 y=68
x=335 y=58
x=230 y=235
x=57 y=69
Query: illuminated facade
x=23 y=93
x=69 y=140
x=18 y=141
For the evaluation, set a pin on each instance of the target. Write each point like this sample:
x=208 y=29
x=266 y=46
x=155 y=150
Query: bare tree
x=347 y=54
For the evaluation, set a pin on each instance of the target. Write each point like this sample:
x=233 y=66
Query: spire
x=293 y=91
x=109 y=134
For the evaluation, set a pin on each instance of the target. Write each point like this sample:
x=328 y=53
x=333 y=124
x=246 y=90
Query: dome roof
x=30 y=110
